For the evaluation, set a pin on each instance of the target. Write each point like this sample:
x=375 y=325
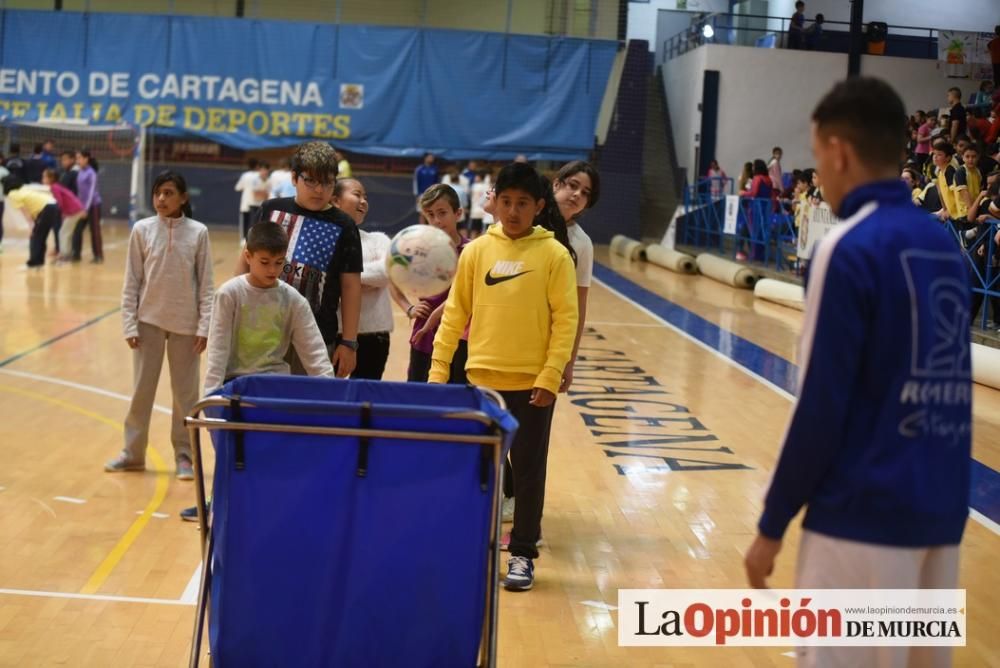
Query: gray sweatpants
x=184 y=380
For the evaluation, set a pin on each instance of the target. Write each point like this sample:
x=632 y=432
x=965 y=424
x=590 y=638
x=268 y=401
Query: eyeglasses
x=313 y=184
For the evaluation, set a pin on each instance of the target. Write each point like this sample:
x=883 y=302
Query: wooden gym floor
x=97 y=570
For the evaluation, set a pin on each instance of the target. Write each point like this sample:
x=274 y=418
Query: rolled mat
x=780 y=292
x=630 y=248
x=986 y=365
x=671 y=259
x=724 y=271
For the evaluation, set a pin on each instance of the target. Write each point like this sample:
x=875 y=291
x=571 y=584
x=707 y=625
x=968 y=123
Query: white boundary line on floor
x=986 y=522
x=78 y=386
x=188 y=597
x=626 y=324
x=60 y=295
x=93 y=597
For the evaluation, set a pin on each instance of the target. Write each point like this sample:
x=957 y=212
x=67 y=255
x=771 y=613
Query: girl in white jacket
x=166 y=306
x=375 y=323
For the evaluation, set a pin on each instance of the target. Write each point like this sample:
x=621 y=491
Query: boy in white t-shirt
x=245 y=187
x=256 y=317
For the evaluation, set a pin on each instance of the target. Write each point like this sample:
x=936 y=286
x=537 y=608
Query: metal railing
x=772 y=32
x=766 y=236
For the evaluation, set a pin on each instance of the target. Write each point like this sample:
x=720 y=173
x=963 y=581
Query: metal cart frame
x=195 y=422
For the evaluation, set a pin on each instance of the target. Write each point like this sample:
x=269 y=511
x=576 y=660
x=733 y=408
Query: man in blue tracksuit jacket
x=878 y=445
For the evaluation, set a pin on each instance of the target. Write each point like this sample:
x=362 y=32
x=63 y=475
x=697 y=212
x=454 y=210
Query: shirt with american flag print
x=321 y=246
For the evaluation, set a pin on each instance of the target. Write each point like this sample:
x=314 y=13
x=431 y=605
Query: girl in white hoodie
x=166 y=306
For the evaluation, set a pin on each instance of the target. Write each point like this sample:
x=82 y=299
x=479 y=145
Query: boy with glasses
x=324 y=253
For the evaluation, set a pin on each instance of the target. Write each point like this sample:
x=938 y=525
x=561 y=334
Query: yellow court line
x=109 y=563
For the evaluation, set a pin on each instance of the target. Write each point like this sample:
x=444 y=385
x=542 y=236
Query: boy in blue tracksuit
x=878 y=446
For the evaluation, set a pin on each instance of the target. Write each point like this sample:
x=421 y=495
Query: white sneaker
x=507 y=509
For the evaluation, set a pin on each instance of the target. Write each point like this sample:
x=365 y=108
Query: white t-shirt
x=479 y=190
x=252 y=329
x=248 y=182
x=376 y=306
x=460 y=190
x=584 y=249
x=280 y=182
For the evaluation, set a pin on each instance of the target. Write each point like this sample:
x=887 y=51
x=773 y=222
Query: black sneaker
x=520 y=574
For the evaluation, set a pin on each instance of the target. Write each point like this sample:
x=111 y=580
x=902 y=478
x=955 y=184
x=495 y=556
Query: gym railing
x=766 y=31
x=766 y=236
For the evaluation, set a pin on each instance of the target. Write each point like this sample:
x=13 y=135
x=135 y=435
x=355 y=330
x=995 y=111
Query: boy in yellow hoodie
x=517 y=285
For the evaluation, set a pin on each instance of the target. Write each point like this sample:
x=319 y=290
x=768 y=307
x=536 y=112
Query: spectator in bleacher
x=928 y=198
x=912 y=123
x=814 y=33
x=938 y=143
x=957 y=121
x=984 y=96
x=797 y=27
x=816 y=191
x=774 y=168
x=922 y=149
x=717 y=178
x=761 y=185
x=961 y=144
x=979 y=127
x=968 y=181
x=985 y=206
x=746 y=176
x=800 y=200
x=987 y=163
x=994 y=132
x=942 y=128
x=760 y=188
x=911 y=177
x=943 y=154
x=994 y=48
x=68 y=171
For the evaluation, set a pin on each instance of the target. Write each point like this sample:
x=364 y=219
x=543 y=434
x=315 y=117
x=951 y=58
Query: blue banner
x=255 y=84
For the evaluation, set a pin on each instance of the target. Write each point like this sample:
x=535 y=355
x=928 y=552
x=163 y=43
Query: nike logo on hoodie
x=507 y=271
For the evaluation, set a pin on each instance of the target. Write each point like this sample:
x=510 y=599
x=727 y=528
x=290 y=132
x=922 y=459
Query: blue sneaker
x=520 y=574
x=191 y=514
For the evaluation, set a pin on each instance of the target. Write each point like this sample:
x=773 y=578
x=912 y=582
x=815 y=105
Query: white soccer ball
x=421 y=261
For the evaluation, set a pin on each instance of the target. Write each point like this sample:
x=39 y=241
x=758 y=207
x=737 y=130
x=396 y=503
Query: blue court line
x=49 y=342
x=985 y=492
